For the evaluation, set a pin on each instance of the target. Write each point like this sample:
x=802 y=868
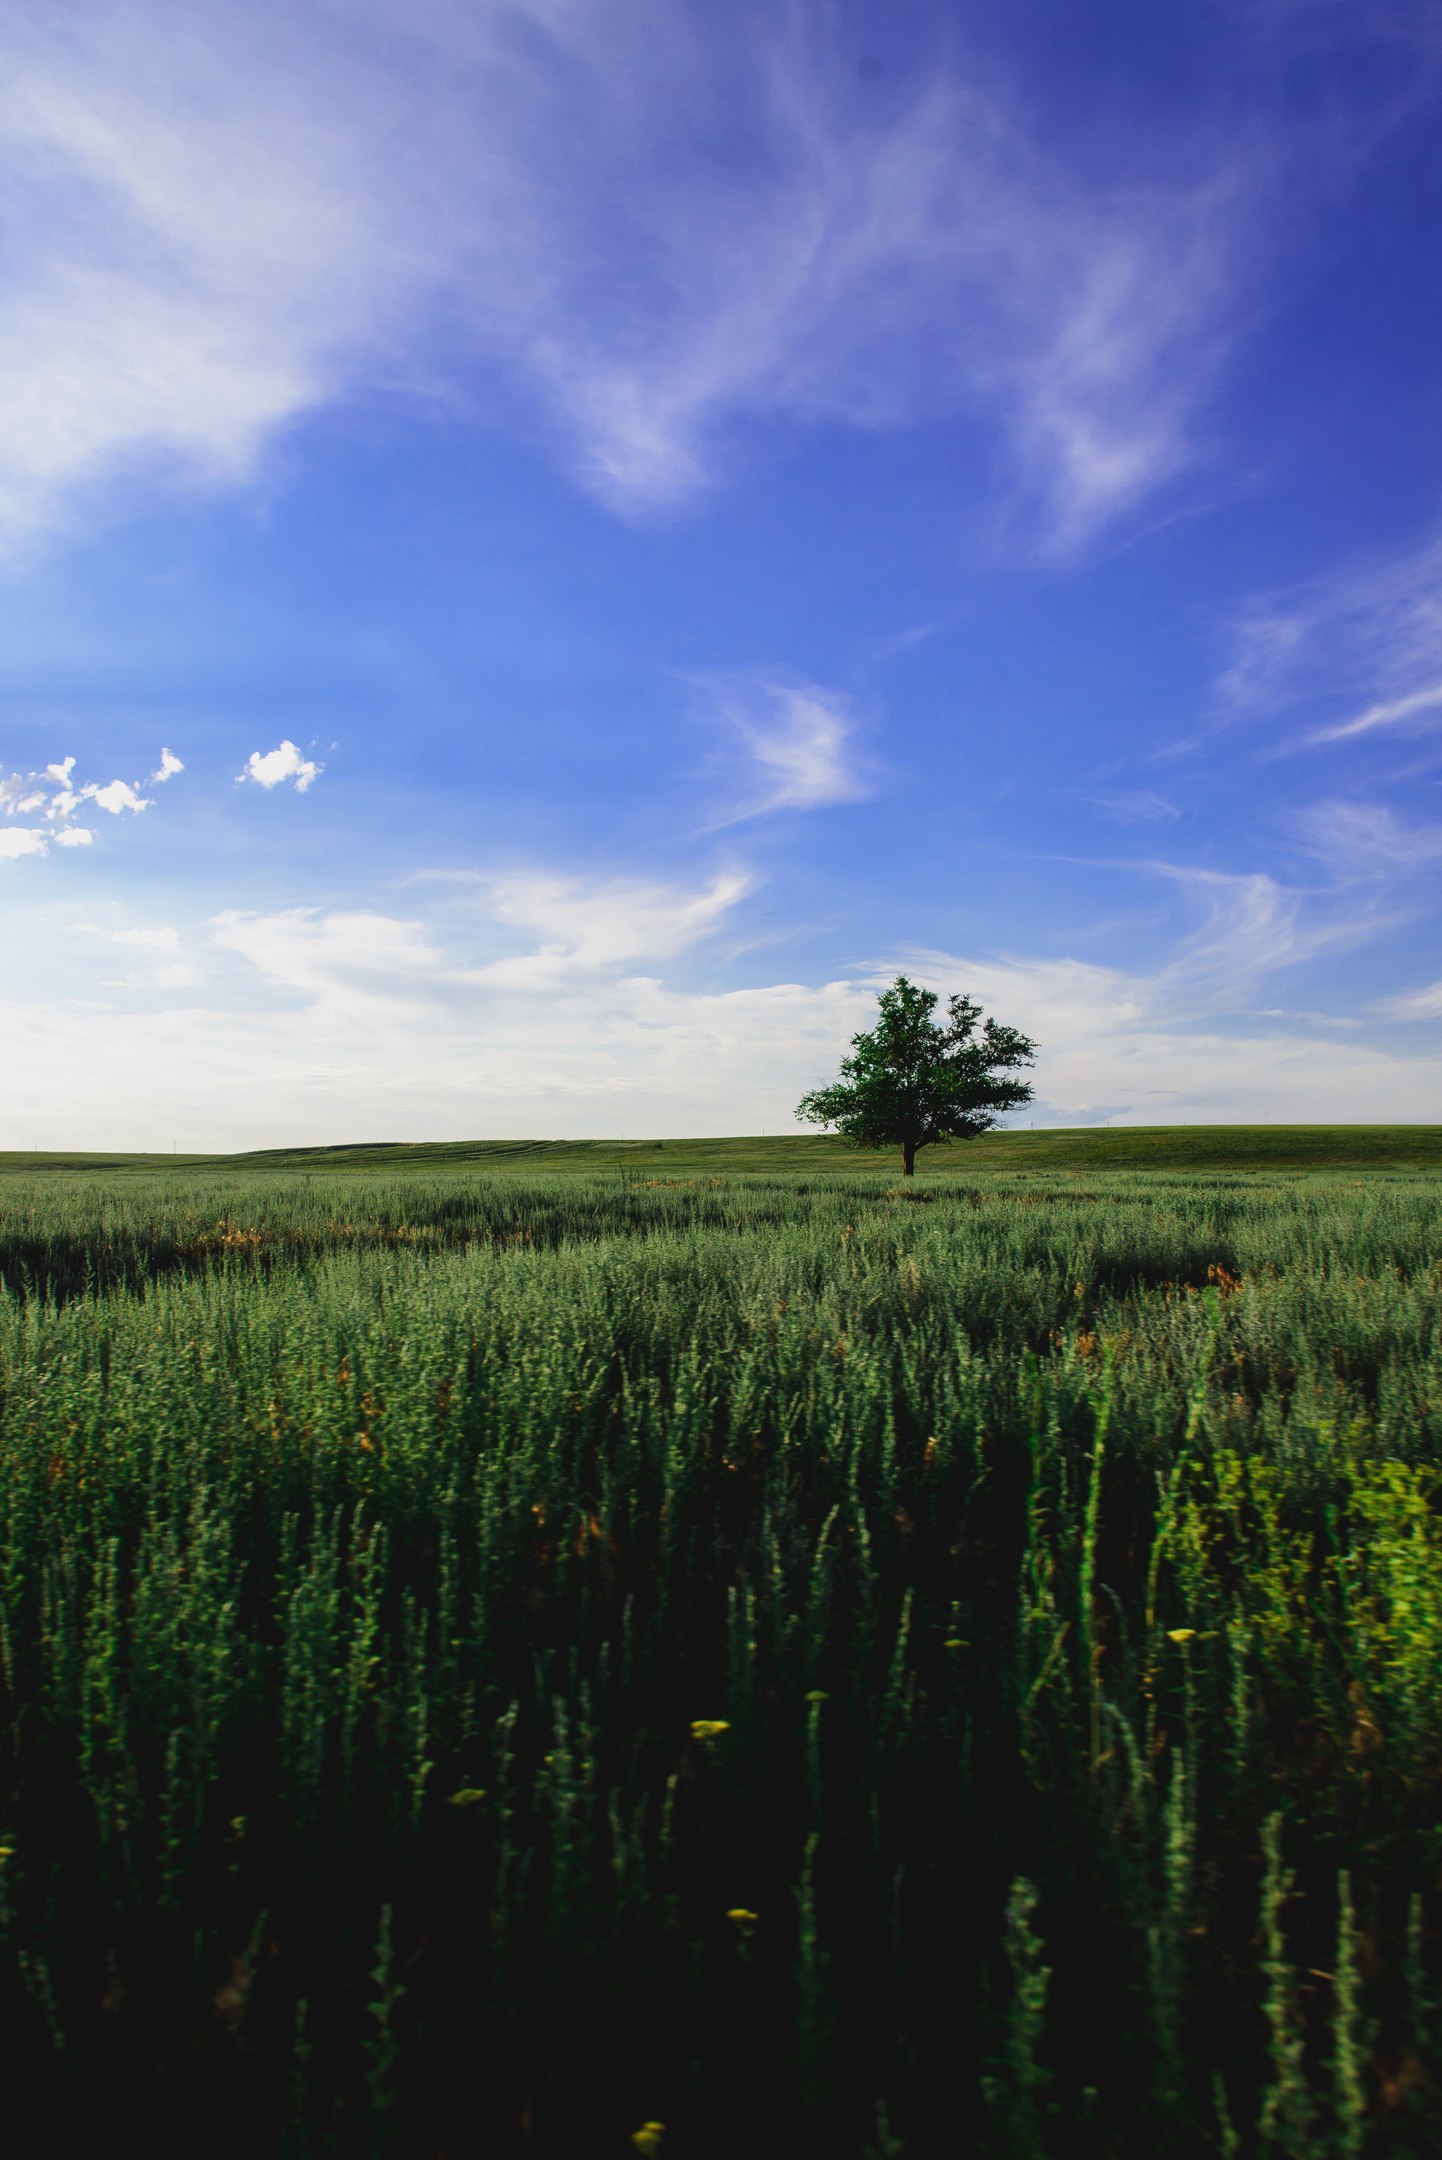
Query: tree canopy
x=912 y=1080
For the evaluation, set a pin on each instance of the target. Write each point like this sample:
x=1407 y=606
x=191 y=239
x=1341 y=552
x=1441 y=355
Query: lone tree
x=912 y=1081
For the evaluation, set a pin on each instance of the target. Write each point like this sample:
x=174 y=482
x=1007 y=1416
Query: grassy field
x=711 y=1653
x=1122 y=1147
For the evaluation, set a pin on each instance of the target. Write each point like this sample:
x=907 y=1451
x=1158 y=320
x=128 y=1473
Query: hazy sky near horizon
x=547 y=549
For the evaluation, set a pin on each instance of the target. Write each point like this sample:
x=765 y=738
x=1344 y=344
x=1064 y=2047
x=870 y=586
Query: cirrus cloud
x=240 y=214
x=798 y=741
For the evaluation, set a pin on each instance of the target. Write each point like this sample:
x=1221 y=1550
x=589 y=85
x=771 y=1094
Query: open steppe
x=697 y=1647
x=1090 y=1147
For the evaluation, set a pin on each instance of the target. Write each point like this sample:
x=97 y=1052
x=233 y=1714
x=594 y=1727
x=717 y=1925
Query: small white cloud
x=270 y=768
x=169 y=765
x=20 y=840
x=115 y=796
x=52 y=792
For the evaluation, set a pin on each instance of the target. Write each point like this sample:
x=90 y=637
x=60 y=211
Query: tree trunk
x=908 y=1158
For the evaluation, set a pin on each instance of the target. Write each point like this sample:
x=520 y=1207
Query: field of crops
x=506 y=1662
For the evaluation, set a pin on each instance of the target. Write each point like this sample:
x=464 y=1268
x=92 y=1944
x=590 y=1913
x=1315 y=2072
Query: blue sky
x=567 y=542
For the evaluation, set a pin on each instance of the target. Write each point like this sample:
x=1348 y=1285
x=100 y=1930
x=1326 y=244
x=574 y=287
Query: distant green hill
x=1132 y=1147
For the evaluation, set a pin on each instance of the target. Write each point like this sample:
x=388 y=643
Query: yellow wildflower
x=1180 y=1634
x=467 y=1796
x=743 y=1921
x=708 y=1728
x=649 y=2139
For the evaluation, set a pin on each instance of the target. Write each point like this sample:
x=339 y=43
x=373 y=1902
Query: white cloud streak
x=1425 y=1004
x=336 y=958
x=1137 y=806
x=158 y=937
x=169 y=975
x=589 y=927
x=1368 y=637
x=799 y=745
x=1389 y=714
x=660 y=219
x=1368 y=841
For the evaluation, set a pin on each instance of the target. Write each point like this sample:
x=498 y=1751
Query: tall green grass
x=559 y=1665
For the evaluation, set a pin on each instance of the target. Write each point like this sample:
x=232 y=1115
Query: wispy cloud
x=168 y=767
x=664 y=220
x=1391 y=713
x=608 y=923
x=154 y=937
x=1362 y=647
x=1251 y=926
x=273 y=768
x=169 y=975
x=1118 y=1043
x=1242 y=927
x=1361 y=841
x=584 y=930
x=1137 y=806
x=347 y=954
x=798 y=742
x=1425 y=1004
x=593 y=929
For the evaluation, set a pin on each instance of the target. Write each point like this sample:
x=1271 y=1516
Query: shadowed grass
x=495 y=1660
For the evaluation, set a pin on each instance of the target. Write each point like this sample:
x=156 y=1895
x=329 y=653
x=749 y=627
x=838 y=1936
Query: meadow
x=686 y=1655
